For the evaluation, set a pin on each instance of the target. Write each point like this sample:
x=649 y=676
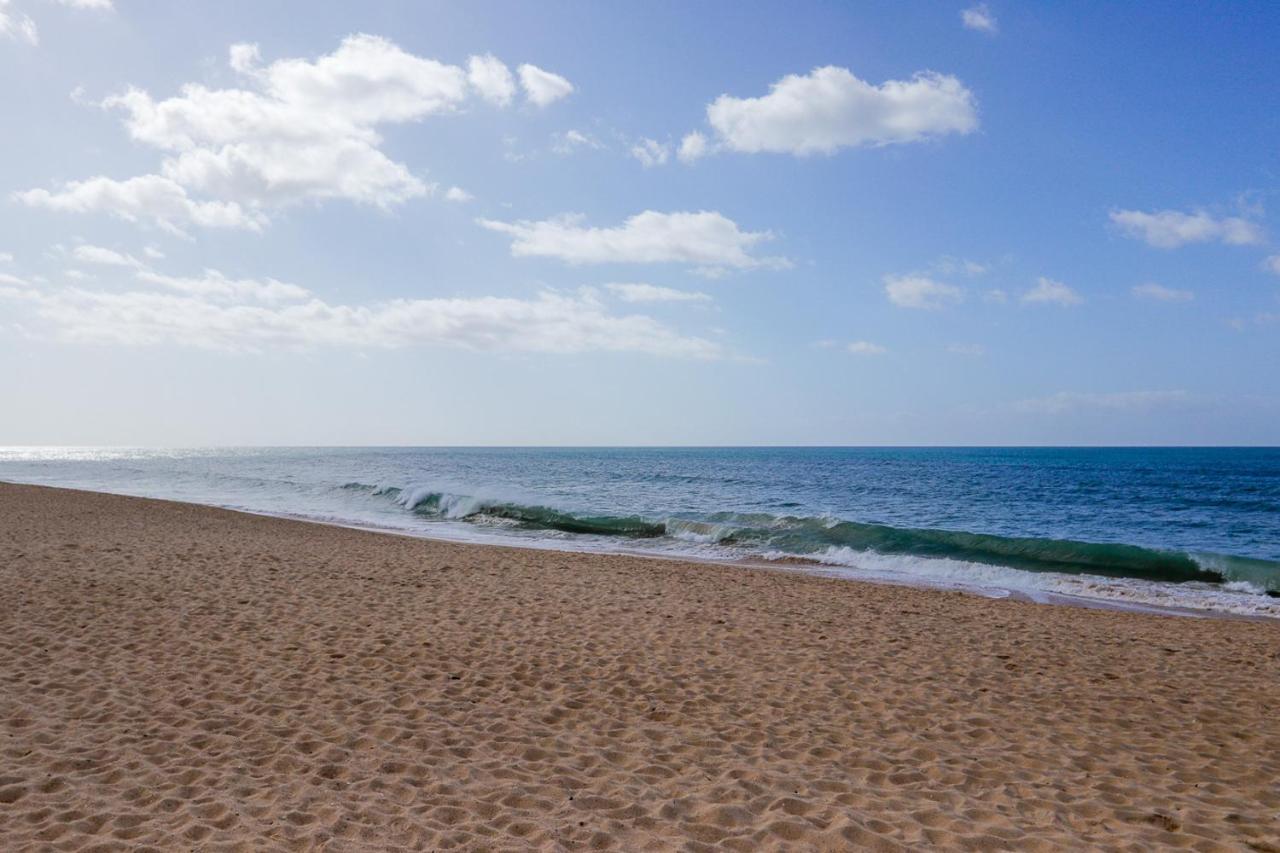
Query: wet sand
x=181 y=677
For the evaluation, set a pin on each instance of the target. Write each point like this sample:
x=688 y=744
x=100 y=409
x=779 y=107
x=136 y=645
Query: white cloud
x=706 y=239
x=215 y=312
x=571 y=140
x=979 y=18
x=6 y=257
x=692 y=148
x=949 y=265
x=145 y=197
x=1272 y=264
x=543 y=87
x=490 y=76
x=1050 y=292
x=1169 y=229
x=457 y=194
x=1065 y=402
x=967 y=349
x=829 y=109
x=918 y=291
x=243 y=57
x=299 y=130
x=20 y=26
x=654 y=293
x=16 y=25
x=215 y=286
x=866 y=348
x=1160 y=293
x=6 y=278
x=152 y=252
x=105 y=257
x=651 y=152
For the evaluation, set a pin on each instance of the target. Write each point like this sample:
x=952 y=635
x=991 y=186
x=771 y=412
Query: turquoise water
x=1186 y=527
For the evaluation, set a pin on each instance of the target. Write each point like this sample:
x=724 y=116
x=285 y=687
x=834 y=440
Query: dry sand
x=181 y=677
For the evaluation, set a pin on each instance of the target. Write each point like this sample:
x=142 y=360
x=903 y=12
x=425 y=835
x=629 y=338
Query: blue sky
x=555 y=223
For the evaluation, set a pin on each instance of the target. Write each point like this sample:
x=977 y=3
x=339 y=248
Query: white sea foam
x=1239 y=598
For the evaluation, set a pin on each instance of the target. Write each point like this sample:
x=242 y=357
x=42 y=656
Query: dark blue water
x=1189 y=527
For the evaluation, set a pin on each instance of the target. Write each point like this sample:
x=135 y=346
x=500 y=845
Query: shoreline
x=787 y=564
x=182 y=675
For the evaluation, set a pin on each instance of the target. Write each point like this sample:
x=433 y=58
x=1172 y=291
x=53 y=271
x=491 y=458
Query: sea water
x=1190 y=528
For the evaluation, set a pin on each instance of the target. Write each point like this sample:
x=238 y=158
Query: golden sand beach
x=182 y=677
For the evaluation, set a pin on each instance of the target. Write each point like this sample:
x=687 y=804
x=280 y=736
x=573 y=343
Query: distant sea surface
x=1169 y=527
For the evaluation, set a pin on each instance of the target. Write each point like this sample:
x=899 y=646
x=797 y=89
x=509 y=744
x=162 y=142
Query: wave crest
x=816 y=538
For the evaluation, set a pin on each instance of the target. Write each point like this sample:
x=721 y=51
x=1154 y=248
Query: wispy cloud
x=1160 y=293
x=705 y=239
x=1050 y=292
x=919 y=291
x=214 y=311
x=17 y=25
x=980 y=18
x=105 y=257
x=1065 y=402
x=1169 y=229
x=572 y=140
x=651 y=152
x=639 y=292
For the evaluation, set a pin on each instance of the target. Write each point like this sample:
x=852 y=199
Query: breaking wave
x=820 y=539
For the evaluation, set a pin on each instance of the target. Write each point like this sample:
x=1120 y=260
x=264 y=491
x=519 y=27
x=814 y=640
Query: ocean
x=1196 y=529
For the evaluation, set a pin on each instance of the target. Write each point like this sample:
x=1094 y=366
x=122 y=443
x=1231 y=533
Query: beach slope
x=176 y=676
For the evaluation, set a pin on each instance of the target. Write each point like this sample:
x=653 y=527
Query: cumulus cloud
x=1050 y=292
x=704 y=239
x=215 y=312
x=490 y=76
x=866 y=348
x=542 y=87
x=980 y=18
x=918 y=291
x=653 y=293
x=829 y=109
x=16 y=25
x=457 y=194
x=651 y=152
x=1272 y=264
x=1065 y=402
x=299 y=130
x=6 y=258
x=693 y=147
x=1160 y=293
x=1169 y=229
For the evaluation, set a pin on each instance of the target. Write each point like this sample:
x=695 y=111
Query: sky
x=720 y=223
